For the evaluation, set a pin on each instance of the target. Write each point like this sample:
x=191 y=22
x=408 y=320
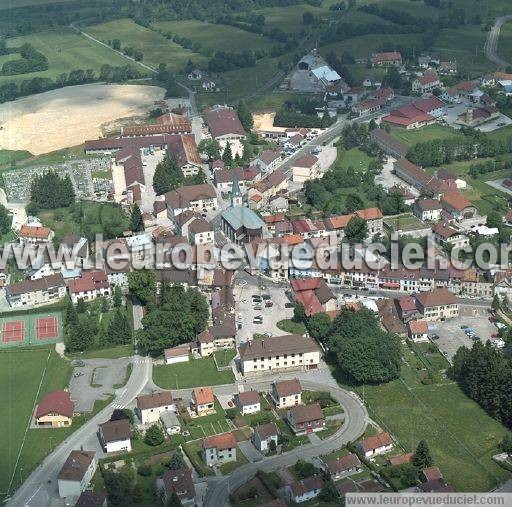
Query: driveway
x=96 y=380
x=249 y=451
x=387 y=179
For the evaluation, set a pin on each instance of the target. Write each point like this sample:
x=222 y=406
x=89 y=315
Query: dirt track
x=66 y=117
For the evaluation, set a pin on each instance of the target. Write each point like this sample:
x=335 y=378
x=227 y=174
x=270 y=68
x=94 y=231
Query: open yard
x=194 y=373
x=404 y=223
x=155 y=47
x=25 y=376
x=68 y=116
x=461 y=436
x=355 y=158
x=428 y=133
x=66 y=50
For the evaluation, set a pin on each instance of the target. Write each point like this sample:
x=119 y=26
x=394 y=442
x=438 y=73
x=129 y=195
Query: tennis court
x=30 y=329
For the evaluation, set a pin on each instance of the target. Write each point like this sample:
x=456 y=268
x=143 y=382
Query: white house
x=248 y=402
x=219 y=449
x=305 y=168
x=428 y=209
x=426 y=83
x=376 y=444
x=418 y=330
x=343 y=466
x=170 y=422
x=76 y=473
x=305 y=489
x=287 y=393
x=179 y=354
x=263 y=435
x=150 y=406
x=115 y=436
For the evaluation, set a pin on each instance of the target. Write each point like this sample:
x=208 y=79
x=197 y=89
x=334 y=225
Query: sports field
x=30 y=329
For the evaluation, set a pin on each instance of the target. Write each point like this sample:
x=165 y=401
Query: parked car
x=269 y=304
x=265 y=297
x=257 y=320
x=258 y=307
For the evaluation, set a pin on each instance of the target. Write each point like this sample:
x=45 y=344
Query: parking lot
x=270 y=316
x=452 y=336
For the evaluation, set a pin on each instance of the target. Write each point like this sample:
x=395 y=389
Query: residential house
x=273 y=184
x=304 y=490
x=374 y=220
x=289 y=352
x=89 y=286
x=44 y=290
x=203 y=401
x=418 y=330
x=343 y=466
x=219 y=449
x=150 y=406
x=304 y=419
x=248 y=402
x=263 y=435
x=431 y=106
x=55 y=410
x=35 y=235
x=445 y=234
x=305 y=168
x=76 y=473
x=115 y=436
x=438 y=304
x=286 y=393
x=457 y=206
x=183 y=149
x=408 y=117
x=92 y=499
x=370 y=106
x=314 y=294
x=267 y=160
x=376 y=444
x=426 y=83
x=407 y=308
x=178 y=482
x=200 y=232
x=224 y=124
x=431 y=474
x=427 y=210
x=200 y=198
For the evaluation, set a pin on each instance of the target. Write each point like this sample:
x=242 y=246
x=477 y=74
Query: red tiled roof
x=249 y=398
x=376 y=441
x=223 y=121
x=437 y=297
x=89 y=281
x=401 y=459
x=418 y=327
x=34 y=231
x=455 y=200
x=369 y=213
x=220 y=442
x=58 y=402
x=203 y=395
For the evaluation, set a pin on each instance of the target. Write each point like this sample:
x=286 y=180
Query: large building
x=76 y=473
x=200 y=198
x=289 y=352
x=168 y=123
x=224 y=123
x=305 y=168
x=438 y=305
x=55 y=410
x=388 y=143
x=43 y=290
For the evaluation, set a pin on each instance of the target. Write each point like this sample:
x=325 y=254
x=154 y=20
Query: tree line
x=49 y=191
x=169 y=176
x=31 y=61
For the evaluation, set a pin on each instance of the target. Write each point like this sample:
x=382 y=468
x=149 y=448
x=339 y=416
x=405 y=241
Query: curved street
x=492 y=43
x=356 y=418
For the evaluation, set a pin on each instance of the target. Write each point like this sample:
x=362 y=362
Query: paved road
x=42 y=483
x=492 y=42
x=354 y=426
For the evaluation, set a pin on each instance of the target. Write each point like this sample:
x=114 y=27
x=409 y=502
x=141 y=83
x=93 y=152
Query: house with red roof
x=418 y=330
x=408 y=117
x=34 y=235
x=387 y=59
x=314 y=294
x=55 y=410
x=426 y=83
x=89 y=286
x=305 y=168
x=376 y=444
x=305 y=489
x=456 y=205
x=219 y=449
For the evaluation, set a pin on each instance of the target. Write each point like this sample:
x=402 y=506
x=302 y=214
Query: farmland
x=66 y=51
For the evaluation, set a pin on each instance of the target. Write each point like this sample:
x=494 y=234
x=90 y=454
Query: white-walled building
x=150 y=406
x=115 y=436
x=76 y=473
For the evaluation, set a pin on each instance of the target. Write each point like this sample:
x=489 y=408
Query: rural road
x=40 y=486
x=356 y=417
x=492 y=42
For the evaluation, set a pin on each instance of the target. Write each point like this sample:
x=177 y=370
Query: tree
x=71 y=315
x=119 y=330
x=356 y=230
x=174 y=500
x=329 y=492
x=245 y=116
x=81 y=336
x=161 y=179
x=210 y=148
x=5 y=220
x=353 y=203
x=494 y=219
x=227 y=155
x=136 y=221
x=116 y=44
x=176 y=460
x=81 y=307
x=299 y=313
x=495 y=305
x=422 y=458
x=119 y=485
x=50 y=191
x=117 y=298
x=142 y=284
x=154 y=435
x=506 y=444
x=318 y=325
x=304 y=468
x=105 y=305
x=308 y=18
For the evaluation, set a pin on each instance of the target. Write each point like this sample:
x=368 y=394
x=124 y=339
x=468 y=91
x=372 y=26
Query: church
x=239 y=223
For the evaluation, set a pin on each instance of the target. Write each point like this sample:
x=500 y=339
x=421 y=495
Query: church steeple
x=236 y=195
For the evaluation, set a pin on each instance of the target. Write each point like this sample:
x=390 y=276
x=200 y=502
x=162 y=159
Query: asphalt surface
x=354 y=426
x=491 y=44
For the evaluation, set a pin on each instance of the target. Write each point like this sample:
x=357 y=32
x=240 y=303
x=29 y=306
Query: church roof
x=240 y=216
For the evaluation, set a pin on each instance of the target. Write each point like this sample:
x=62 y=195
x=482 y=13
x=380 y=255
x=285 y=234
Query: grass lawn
x=214 y=36
x=331 y=428
x=66 y=50
x=193 y=450
x=461 y=436
x=232 y=465
x=291 y=440
x=156 y=48
x=25 y=381
x=273 y=100
x=505 y=42
x=224 y=357
x=423 y=134
x=206 y=425
x=355 y=159
x=404 y=223
x=194 y=373
x=106 y=353
x=9 y=156
x=288 y=326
